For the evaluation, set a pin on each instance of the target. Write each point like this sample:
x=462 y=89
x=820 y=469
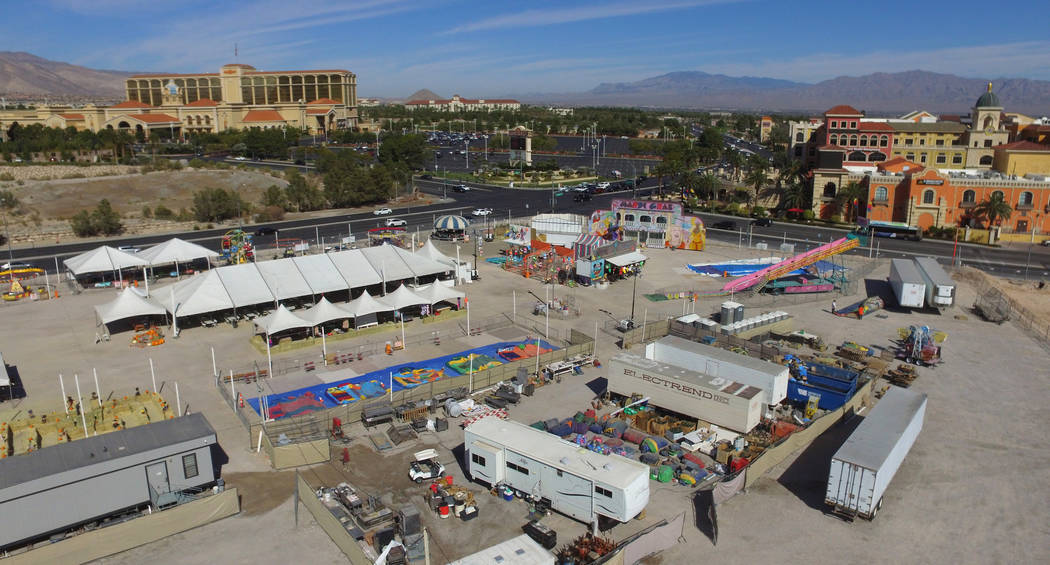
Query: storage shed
x=59 y=487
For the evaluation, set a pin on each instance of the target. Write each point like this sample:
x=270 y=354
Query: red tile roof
x=71 y=116
x=327 y=101
x=897 y=164
x=319 y=111
x=203 y=102
x=875 y=126
x=131 y=104
x=830 y=147
x=154 y=118
x=1023 y=146
x=843 y=110
x=165 y=75
x=263 y=116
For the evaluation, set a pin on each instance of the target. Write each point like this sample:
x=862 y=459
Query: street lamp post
x=377 y=144
x=466 y=148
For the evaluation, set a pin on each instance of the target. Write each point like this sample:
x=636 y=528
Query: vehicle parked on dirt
x=426 y=466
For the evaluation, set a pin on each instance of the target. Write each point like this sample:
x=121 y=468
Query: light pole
x=377 y=144
x=486 y=136
x=466 y=150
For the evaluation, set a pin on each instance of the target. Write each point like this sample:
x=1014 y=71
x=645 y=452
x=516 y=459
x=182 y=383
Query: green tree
x=274 y=196
x=756 y=175
x=105 y=219
x=795 y=195
x=82 y=224
x=849 y=198
x=8 y=200
x=995 y=209
x=406 y=151
x=216 y=204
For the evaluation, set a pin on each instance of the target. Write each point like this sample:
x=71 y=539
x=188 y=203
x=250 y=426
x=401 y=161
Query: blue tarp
x=741 y=269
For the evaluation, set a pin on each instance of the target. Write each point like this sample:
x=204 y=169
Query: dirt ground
x=1032 y=296
x=972 y=490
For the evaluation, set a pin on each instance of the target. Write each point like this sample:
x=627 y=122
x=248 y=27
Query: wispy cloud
x=542 y=17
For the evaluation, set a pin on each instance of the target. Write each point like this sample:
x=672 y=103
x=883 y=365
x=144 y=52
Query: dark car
x=265 y=230
x=461 y=188
x=762 y=222
x=724 y=225
x=426 y=177
x=581 y=197
x=300 y=162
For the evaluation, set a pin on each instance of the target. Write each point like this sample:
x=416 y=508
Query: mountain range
x=878 y=93
x=24 y=75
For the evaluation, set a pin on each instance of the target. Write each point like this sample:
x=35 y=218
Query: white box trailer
x=863 y=467
x=908 y=285
x=578 y=482
x=717 y=362
x=940 y=288
x=689 y=392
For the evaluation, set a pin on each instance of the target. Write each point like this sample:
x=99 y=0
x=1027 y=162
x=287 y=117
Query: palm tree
x=849 y=198
x=795 y=195
x=995 y=209
x=755 y=178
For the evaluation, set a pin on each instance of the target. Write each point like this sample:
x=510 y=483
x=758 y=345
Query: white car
x=603 y=185
x=240 y=158
x=391 y=222
x=482 y=212
x=382 y=212
x=7 y=266
x=129 y=249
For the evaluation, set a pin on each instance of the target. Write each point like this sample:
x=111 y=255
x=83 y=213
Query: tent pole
x=233 y=393
x=61 y=382
x=269 y=359
x=324 y=347
x=98 y=392
x=152 y=374
x=83 y=410
x=214 y=369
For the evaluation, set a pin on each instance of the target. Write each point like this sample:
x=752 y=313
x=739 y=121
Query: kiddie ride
x=237 y=247
x=920 y=345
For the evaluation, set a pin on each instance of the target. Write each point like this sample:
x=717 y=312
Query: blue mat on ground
x=371 y=385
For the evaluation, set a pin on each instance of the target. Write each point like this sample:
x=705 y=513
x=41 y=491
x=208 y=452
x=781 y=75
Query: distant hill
x=423 y=94
x=875 y=93
x=25 y=74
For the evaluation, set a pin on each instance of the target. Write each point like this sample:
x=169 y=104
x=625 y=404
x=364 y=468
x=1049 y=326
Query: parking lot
x=972 y=490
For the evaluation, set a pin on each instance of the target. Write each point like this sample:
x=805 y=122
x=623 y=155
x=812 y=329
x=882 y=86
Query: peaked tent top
x=324 y=311
x=403 y=297
x=281 y=319
x=175 y=250
x=101 y=260
x=365 y=304
x=127 y=304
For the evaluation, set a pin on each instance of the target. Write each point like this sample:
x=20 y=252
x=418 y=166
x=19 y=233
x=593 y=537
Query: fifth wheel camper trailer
x=578 y=482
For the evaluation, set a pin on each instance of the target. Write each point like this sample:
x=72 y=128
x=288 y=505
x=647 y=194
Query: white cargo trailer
x=863 y=467
x=940 y=288
x=907 y=283
x=771 y=378
x=577 y=482
x=694 y=393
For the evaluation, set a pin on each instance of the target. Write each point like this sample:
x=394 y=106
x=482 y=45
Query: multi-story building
x=765 y=127
x=237 y=97
x=458 y=104
x=799 y=134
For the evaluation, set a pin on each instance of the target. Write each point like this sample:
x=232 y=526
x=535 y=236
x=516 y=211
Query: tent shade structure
x=355 y=269
x=128 y=304
x=102 y=259
x=200 y=294
x=451 y=223
x=324 y=311
x=280 y=320
x=422 y=266
x=430 y=251
x=404 y=298
x=388 y=263
x=320 y=273
x=245 y=285
x=365 y=304
x=175 y=250
x=435 y=293
x=284 y=279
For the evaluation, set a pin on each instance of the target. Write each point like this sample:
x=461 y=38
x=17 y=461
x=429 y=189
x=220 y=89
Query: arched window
x=645 y=220
x=628 y=218
x=800 y=137
x=863 y=140
x=884 y=141
x=853 y=139
x=829 y=190
x=970 y=196
x=986 y=160
x=998 y=195
x=927 y=197
x=876 y=156
x=882 y=193
x=988 y=122
x=833 y=140
x=857 y=156
x=1026 y=199
x=661 y=220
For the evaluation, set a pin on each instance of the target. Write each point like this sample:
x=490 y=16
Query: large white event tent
x=435 y=293
x=364 y=308
x=403 y=297
x=128 y=304
x=430 y=251
x=283 y=279
x=280 y=320
x=200 y=294
x=354 y=268
x=102 y=260
x=324 y=311
x=175 y=251
x=324 y=276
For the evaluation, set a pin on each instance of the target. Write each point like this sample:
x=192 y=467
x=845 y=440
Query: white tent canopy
x=199 y=294
x=430 y=251
x=365 y=304
x=102 y=259
x=435 y=293
x=245 y=285
x=422 y=266
x=355 y=269
x=128 y=304
x=280 y=320
x=324 y=311
x=388 y=263
x=284 y=279
x=320 y=273
x=175 y=250
x=404 y=298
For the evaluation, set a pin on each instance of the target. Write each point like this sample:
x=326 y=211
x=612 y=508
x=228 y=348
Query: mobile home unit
x=578 y=482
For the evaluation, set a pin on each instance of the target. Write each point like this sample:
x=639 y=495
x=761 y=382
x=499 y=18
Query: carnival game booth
x=104 y=266
x=175 y=257
x=651 y=224
x=450 y=228
x=606 y=260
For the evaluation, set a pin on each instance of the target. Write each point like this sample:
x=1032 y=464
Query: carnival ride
x=755 y=281
x=237 y=247
x=21 y=274
x=920 y=345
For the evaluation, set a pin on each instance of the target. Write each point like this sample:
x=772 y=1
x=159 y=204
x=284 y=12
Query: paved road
x=1009 y=261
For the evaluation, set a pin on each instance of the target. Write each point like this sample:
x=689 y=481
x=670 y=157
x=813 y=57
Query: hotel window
x=853 y=125
x=884 y=141
x=833 y=140
x=863 y=140
x=941 y=159
x=998 y=194
x=922 y=141
x=927 y=197
x=799 y=137
x=882 y=194
x=970 y=196
x=910 y=156
x=1026 y=199
x=957 y=159
x=922 y=158
x=939 y=143
x=853 y=140
x=834 y=124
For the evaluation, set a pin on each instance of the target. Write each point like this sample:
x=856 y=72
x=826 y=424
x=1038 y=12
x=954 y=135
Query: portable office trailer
x=715 y=361
x=863 y=467
x=578 y=482
x=907 y=283
x=940 y=288
x=59 y=487
x=692 y=393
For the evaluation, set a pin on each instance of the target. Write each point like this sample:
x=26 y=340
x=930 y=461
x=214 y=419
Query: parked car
x=604 y=185
x=762 y=222
x=240 y=158
x=129 y=249
x=15 y=265
x=265 y=230
x=1046 y=243
x=426 y=466
x=382 y=212
x=391 y=222
x=724 y=225
x=481 y=212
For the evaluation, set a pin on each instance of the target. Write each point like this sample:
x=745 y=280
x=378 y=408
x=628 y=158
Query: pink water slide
x=790 y=264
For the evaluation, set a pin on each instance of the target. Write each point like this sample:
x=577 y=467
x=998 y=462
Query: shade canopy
x=627 y=259
x=365 y=304
x=128 y=304
x=435 y=293
x=403 y=297
x=451 y=223
x=355 y=269
x=102 y=259
x=175 y=250
x=245 y=284
x=283 y=279
x=280 y=320
x=324 y=311
x=199 y=294
x=431 y=252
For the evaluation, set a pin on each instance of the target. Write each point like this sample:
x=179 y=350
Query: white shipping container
x=940 y=288
x=863 y=467
x=907 y=283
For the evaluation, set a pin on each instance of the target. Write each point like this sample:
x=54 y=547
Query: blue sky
x=505 y=48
